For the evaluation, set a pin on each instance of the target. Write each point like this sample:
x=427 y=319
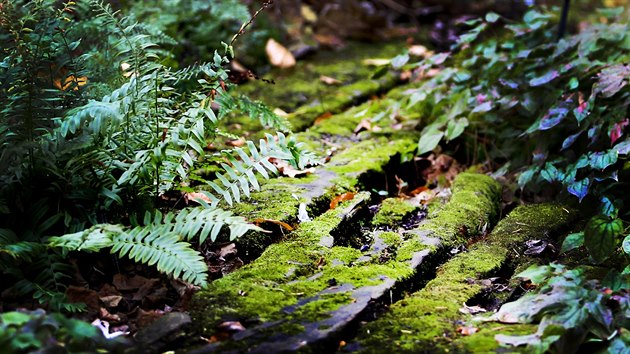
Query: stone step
x=301 y=294
x=427 y=321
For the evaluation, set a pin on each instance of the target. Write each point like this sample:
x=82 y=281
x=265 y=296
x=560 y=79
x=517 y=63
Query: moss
x=392 y=211
x=274 y=201
x=391 y=239
x=344 y=255
x=427 y=320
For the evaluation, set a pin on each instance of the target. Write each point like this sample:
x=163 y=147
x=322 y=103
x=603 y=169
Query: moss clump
x=392 y=211
x=427 y=320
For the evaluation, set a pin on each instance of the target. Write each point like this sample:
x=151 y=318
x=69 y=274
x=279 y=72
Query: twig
x=241 y=31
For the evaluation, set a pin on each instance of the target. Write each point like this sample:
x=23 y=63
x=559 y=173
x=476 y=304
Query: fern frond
x=165 y=250
x=253 y=109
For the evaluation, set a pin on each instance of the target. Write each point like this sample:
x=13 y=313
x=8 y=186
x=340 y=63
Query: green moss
x=274 y=201
x=344 y=255
x=390 y=238
x=392 y=211
x=427 y=320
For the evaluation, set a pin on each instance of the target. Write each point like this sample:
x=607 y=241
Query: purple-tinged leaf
x=579 y=188
x=541 y=80
x=570 y=140
x=623 y=148
x=509 y=83
x=552 y=118
x=613 y=79
x=484 y=107
x=608 y=208
x=600 y=160
x=614 y=175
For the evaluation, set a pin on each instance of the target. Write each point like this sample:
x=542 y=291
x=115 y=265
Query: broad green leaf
x=14 y=318
x=492 y=17
x=536 y=274
x=455 y=128
x=600 y=160
x=526 y=176
x=550 y=173
x=572 y=241
x=626 y=244
x=429 y=141
x=600 y=236
x=400 y=60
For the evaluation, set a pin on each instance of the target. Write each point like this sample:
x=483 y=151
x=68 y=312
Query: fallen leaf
x=277 y=222
x=145 y=318
x=280 y=113
x=467 y=330
x=236 y=143
x=124 y=282
x=286 y=169
x=472 y=309
x=329 y=80
x=364 y=124
x=329 y=40
x=196 y=196
x=376 y=62
x=279 y=55
x=341 y=198
x=308 y=14
x=87 y=296
x=418 y=50
x=231 y=327
x=107 y=316
x=322 y=118
x=111 y=300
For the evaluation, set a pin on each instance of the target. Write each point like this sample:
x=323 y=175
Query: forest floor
x=373 y=250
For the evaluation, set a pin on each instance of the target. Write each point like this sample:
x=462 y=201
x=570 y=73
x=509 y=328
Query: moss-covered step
x=300 y=294
x=301 y=91
x=427 y=321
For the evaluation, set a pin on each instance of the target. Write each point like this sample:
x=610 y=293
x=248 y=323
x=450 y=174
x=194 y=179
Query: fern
x=254 y=110
x=161 y=240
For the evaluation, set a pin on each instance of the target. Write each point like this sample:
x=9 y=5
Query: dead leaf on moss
x=341 y=198
x=472 y=309
x=467 y=330
x=280 y=113
x=322 y=118
x=329 y=80
x=277 y=222
x=376 y=62
x=236 y=143
x=364 y=124
x=286 y=169
x=418 y=50
x=279 y=55
x=196 y=196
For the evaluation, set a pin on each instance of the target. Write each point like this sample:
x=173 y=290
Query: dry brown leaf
x=279 y=55
x=286 y=169
x=277 y=222
x=329 y=80
x=231 y=327
x=111 y=300
x=364 y=124
x=195 y=196
x=84 y=295
x=418 y=50
x=329 y=40
x=467 y=330
x=341 y=198
x=308 y=14
x=124 y=282
x=280 y=113
x=322 y=118
x=236 y=143
x=472 y=309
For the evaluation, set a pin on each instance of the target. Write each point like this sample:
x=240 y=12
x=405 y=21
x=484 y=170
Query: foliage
x=97 y=129
x=564 y=102
x=24 y=332
x=571 y=310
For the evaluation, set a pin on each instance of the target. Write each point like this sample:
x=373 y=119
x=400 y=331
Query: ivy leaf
x=623 y=148
x=572 y=241
x=552 y=118
x=550 y=173
x=613 y=79
x=455 y=128
x=526 y=176
x=579 y=188
x=608 y=208
x=600 y=236
x=541 y=80
x=600 y=160
x=429 y=140
x=626 y=244
x=400 y=60
x=570 y=140
x=492 y=17
x=484 y=107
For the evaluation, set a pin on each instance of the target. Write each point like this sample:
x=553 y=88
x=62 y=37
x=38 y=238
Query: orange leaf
x=277 y=222
x=322 y=118
x=341 y=198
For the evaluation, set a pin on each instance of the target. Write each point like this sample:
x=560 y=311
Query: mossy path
x=374 y=273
